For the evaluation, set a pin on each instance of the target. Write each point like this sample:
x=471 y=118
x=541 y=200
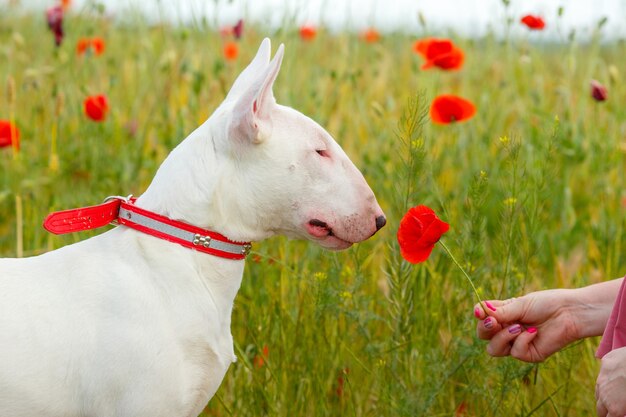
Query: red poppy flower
x=96 y=107
x=9 y=134
x=420 y=229
x=231 y=51
x=421 y=46
x=448 y=109
x=82 y=45
x=461 y=409
x=54 y=17
x=598 y=91
x=441 y=53
x=259 y=360
x=533 y=22
x=371 y=35
x=95 y=45
x=238 y=29
x=308 y=33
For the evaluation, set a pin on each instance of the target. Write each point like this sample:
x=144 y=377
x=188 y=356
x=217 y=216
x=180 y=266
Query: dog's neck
x=185 y=188
x=193 y=185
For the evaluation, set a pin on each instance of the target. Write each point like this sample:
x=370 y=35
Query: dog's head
x=276 y=171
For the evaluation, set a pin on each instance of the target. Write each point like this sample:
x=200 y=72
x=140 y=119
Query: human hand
x=611 y=385
x=529 y=328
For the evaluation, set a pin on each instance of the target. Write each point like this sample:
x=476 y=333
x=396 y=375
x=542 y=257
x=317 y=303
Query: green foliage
x=533 y=203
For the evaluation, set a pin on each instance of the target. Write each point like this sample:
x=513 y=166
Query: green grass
x=533 y=187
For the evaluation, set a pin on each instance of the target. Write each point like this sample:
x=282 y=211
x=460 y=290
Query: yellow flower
x=320 y=276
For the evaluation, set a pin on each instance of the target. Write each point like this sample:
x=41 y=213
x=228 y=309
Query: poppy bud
x=598 y=91
x=54 y=16
x=238 y=29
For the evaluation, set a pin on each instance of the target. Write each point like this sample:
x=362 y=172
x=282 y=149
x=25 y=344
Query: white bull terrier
x=135 y=322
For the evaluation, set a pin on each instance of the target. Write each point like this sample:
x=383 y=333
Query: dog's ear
x=251 y=117
x=249 y=75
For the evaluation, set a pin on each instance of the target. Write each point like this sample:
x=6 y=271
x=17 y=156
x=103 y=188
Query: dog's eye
x=323 y=153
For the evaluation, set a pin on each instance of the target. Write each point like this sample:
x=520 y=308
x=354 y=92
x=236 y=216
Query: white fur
x=128 y=325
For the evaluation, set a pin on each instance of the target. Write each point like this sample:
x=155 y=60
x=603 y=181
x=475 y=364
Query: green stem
x=480 y=301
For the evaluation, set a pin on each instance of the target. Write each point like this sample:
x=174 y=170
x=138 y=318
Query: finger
x=523 y=348
x=486 y=308
x=601 y=409
x=505 y=311
x=487 y=328
x=500 y=344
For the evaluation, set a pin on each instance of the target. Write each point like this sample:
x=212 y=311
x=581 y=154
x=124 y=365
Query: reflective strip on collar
x=192 y=238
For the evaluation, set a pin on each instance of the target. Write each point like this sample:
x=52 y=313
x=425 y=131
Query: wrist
x=591 y=307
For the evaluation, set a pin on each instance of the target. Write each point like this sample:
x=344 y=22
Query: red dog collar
x=122 y=210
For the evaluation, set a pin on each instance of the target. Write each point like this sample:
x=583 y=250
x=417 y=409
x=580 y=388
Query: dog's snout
x=381 y=221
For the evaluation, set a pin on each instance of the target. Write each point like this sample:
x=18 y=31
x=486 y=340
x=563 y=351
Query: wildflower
x=66 y=4
x=421 y=46
x=346 y=295
x=9 y=135
x=449 y=108
x=598 y=91
x=96 y=107
x=238 y=29
x=308 y=32
x=320 y=276
x=54 y=16
x=341 y=381
x=533 y=22
x=95 y=45
x=461 y=409
x=231 y=51
x=371 y=35
x=259 y=360
x=441 y=53
x=420 y=229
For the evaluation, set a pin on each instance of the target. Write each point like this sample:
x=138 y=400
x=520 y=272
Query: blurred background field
x=533 y=187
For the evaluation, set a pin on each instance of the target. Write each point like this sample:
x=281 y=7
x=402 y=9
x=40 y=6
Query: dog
x=134 y=322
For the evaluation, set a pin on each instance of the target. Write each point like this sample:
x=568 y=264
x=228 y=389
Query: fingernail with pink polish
x=532 y=330
x=515 y=329
x=488 y=323
x=490 y=306
x=477 y=312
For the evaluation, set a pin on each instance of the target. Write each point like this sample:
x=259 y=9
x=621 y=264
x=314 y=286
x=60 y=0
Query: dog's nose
x=380 y=222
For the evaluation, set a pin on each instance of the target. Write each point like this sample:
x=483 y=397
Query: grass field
x=533 y=187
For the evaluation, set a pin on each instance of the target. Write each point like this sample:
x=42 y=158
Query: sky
x=465 y=17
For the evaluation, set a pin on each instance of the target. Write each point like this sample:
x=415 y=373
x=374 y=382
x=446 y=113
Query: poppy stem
x=480 y=301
